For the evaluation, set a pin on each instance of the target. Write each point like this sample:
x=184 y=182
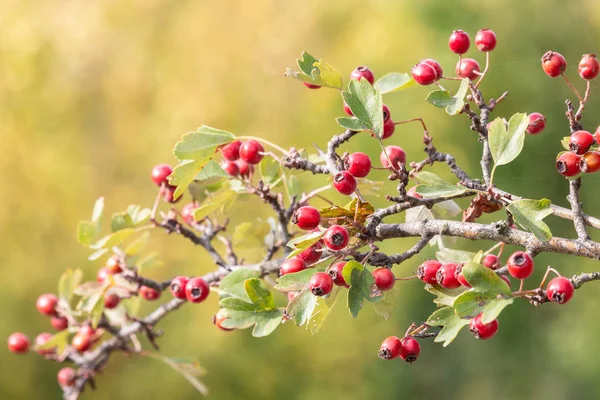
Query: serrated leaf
x=120 y=221
x=67 y=283
x=305 y=241
x=235 y=304
x=270 y=171
x=59 y=341
x=259 y=294
x=472 y=303
x=98 y=208
x=451 y=323
x=233 y=284
x=530 y=214
x=387 y=305
x=295 y=281
x=328 y=74
x=365 y=209
x=86 y=232
x=395 y=82
x=114 y=239
x=349 y=269
x=455 y=256
x=352 y=123
x=362 y=286
x=484 y=279
x=190 y=370
x=306 y=63
x=321 y=310
x=445 y=297
x=432 y=185
x=138 y=214
x=301 y=307
x=264 y=321
x=212 y=171
x=452 y=104
x=201 y=144
x=316 y=72
x=185 y=173
x=366 y=104
x=506 y=143
x=222 y=200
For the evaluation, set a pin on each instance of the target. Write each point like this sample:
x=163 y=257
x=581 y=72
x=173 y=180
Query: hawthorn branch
x=576 y=206
x=293 y=160
x=332 y=158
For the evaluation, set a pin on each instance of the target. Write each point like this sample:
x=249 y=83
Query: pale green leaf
x=432 y=185
x=221 y=200
x=395 y=82
x=295 y=281
x=98 y=208
x=451 y=323
x=270 y=171
x=366 y=104
x=201 y=144
x=352 y=123
x=86 y=232
x=506 y=144
x=259 y=294
x=530 y=214
x=120 y=221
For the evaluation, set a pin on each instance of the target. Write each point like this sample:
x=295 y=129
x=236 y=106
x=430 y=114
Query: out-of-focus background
x=93 y=94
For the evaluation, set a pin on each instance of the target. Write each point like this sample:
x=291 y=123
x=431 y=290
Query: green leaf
x=432 y=185
x=136 y=246
x=484 y=279
x=366 y=104
x=452 y=104
x=67 y=283
x=530 y=213
x=328 y=74
x=305 y=241
x=97 y=254
x=98 y=208
x=506 y=144
x=59 y=341
x=114 y=239
x=365 y=209
x=445 y=297
x=316 y=72
x=259 y=294
x=296 y=281
x=265 y=321
x=322 y=308
x=189 y=369
x=306 y=63
x=201 y=144
x=472 y=303
x=352 y=123
x=292 y=186
x=211 y=171
x=301 y=307
x=138 y=214
x=349 y=269
x=387 y=305
x=270 y=171
x=235 y=304
x=184 y=174
x=221 y=200
x=451 y=323
x=86 y=232
x=447 y=255
x=233 y=284
x=566 y=140
x=120 y=221
x=395 y=82
x=362 y=286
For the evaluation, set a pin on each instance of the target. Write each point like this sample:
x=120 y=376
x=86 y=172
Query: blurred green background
x=93 y=94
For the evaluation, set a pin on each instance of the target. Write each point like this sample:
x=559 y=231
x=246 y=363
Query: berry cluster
x=239 y=158
x=407 y=348
x=583 y=155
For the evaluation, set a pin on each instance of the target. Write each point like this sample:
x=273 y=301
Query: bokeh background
x=93 y=94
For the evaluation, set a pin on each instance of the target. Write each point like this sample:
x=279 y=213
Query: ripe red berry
x=307 y=218
x=520 y=265
x=347 y=110
x=252 y=152
x=580 y=142
x=149 y=293
x=320 y=284
x=485 y=40
x=588 y=67
x=390 y=348
x=436 y=66
x=553 y=63
x=560 y=290
x=384 y=278
x=468 y=68
x=396 y=155
x=590 y=162
x=412 y=192
x=102 y=275
x=111 y=301
x=424 y=74
x=336 y=237
x=113 y=265
x=311 y=254
x=311 y=86
x=363 y=72
x=344 y=182
x=46 y=304
x=66 y=377
x=491 y=261
x=459 y=42
x=81 y=342
x=335 y=272
x=410 y=349
x=388 y=129
x=160 y=173
x=231 y=168
x=59 y=323
x=461 y=278
x=218 y=320
x=446 y=276
x=483 y=331
x=537 y=123
x=291 y=266
x=18 y=343
x=231 y=151
x=567 y=164
x=86 y=330
x=168 y=193
x=177 y=287
x=427 y=272
x=41 y=340
x=358 y=164
x=387 y=115
x=245 y=169
x=196 y=290
x=187 y=213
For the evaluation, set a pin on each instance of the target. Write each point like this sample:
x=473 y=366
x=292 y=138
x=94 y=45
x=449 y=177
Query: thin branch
x=576 y=206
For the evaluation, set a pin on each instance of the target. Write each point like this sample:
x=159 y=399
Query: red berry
x=46 y=304
x=468 y=68
x=387 y=115
x=187 y=213
x=41 y=340
x=252 y=152
x=113 y=265
x=231 y=168
x=307 y=218
x=590 y=162
x=560 y=290
x=485 y=40
x=336 y=237
x=436 y=66
x=410 y=349
x=459 y=42
x=580 y=142
x=87 y=330
x=18 y=343
x=537 y=123
x=177 y=287
x=461 y=278
x=588 y=67
x=412 y=192
x=312 y=254
x=335 y=272
x=344 y=182
x=384 y=278
x=245 y=169
x=424 y=74
x=59 y=323
x=196 y=290
x=66 y=377
x=396 y=155
x=231 y=151
x=347 y=110
x=311 y=86
x=111 y=301
x=446 y=276
x=567 y=164
x=168 y=193
x=149 y=293
x=102 y=275
x=291 y=266
x=390 y=348
x=218 y=320
x=388 y=129
x=160 y=173
x=320 y=284
x=554 y=64
x=363 y=72
x=81 y=342
x=491 y=261
x=483 y=331
x=427 y=272
x=358 y=164
x=520 y=265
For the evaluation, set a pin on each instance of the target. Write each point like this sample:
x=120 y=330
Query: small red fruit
x=553 y=64
x=580 y=142
x=567 y=164
x=102 y=274
x=18 y=343
x=245 y=169
x=436 y=66
x=231 y=151
x=66 y=377
x=111 y=301
x=177 y=287
x=291 y=266
x=336 y=237
x=459 y=42
x=347 y=110
x=491 y=261
x=218 y=320
x=344 y=182
x=386 y=113
x=41 y=340
x=358 y=164
x=446 y=276
x=485 y=40
x=87 y=330
x=537 y=123
x=424 y=74
x=81 y=342
x=307 y=218
x=588 y=67
x=390 y=348
x=160 y=173
x=590 y=162
x=461 y=278
x=231 y=168
x=483 y=331
x=363 y=72
x=320 y=284
x=46 y=304
x=560 y=290
x=384 y=278
x=187 y=213
x=427 y=272
x=468 y=68
x=311 y=86
x=335 y=272
x=196 y=290
x=520 y=265
x=396 y=155
x=389 y=127
x=312 y=254
x=410 y=349
x=149 y=293
x=252 y=152
x=113 y=265
x=168 y=193
x=59 y=323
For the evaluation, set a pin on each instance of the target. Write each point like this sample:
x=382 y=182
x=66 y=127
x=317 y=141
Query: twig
x=576 y=207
